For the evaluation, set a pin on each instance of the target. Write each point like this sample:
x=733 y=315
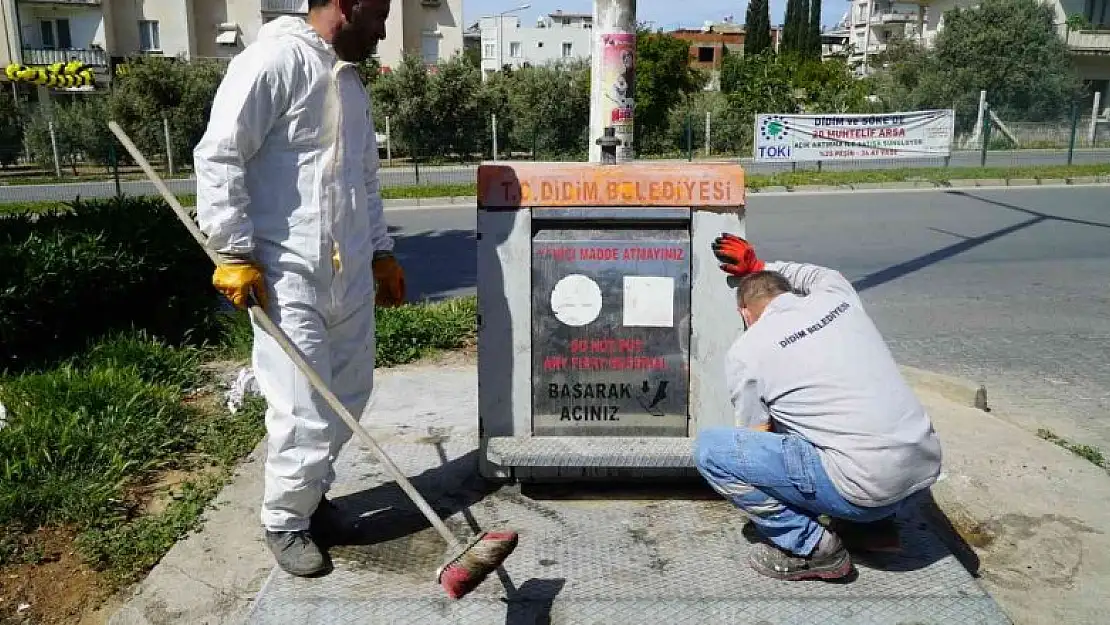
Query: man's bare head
x=353 y=27
x=755 y=292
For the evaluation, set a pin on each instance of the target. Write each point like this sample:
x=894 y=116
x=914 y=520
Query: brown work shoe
x=829 y=561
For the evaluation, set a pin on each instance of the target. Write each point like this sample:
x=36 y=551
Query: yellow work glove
x=236 y=280
x=390 y=281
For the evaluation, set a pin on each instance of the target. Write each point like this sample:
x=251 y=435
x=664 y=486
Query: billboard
x=838 y=137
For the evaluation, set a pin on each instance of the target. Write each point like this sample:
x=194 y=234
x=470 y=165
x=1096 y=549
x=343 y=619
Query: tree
x=663 y=80
x=11 y=129
x=757 y=23
x=795 y=26
x=1033 y=81
x=179 y=91
x=814 y=32
x=550 y=108
x=403 y=96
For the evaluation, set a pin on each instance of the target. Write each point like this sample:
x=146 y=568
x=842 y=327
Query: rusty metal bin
x=603 y=316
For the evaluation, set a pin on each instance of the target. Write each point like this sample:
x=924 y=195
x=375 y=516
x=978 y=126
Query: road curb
x=431 y=201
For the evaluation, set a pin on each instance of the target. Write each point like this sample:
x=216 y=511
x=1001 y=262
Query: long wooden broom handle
x=279 y=335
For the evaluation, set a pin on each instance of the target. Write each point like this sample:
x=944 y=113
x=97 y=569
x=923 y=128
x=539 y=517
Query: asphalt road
x=464 y=174
x=1005 y=287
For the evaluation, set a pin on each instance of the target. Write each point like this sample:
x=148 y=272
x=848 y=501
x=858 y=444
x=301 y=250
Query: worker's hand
x=390 y=279
x=236 y=280
x=736 y=255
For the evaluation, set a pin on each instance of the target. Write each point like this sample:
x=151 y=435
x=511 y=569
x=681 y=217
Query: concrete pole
x=388 y=142
x=1094 y=120
x=495 y=137
x=978 y=136
x=613 y=76
x=708 y=132
x=169 y=144
x=54 y=148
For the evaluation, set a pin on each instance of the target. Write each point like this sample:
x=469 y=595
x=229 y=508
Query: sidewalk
x=1034 y=513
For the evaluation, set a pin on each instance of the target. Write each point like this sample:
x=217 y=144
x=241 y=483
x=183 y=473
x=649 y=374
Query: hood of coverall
x=291 y=26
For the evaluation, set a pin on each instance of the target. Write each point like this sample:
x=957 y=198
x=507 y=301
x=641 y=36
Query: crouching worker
x=826 y=425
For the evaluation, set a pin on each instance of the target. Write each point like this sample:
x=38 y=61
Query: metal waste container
x=603 y=316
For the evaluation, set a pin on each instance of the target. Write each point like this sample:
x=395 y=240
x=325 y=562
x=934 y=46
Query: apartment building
x=100 y=33
x=556 y=36
x=869 y=25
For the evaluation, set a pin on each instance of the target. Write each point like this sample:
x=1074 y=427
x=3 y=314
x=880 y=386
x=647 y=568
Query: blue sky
x=666 y=14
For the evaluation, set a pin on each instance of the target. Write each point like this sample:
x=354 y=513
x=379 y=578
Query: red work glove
x=736 y=255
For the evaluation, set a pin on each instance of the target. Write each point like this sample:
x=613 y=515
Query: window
x=514 y=49
x=568 y=49
x=706 y=55
x=55 y=34
x=489 y=51
x=429 y=47
x=149 y=41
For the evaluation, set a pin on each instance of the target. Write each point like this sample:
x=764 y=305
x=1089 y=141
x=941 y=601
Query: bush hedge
x=74 y=274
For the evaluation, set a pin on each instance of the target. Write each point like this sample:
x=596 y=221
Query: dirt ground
x=59 y=589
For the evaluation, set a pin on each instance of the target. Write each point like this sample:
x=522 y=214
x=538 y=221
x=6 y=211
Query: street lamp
x=501 y=34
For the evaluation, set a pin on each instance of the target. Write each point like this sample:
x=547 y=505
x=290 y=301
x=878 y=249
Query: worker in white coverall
x=826 y=425
x=288 y=195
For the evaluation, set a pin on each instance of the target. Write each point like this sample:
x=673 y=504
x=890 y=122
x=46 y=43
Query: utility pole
x=501 y=34
x=613 y=76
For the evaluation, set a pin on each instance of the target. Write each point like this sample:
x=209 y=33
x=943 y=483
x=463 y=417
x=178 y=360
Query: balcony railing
x=299 y=7
x=42 y=56
x=1087 y=41
x=90 y=2
x=893 y=17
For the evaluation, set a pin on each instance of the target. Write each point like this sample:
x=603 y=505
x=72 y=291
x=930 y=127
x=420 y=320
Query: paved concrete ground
x=1003 y=287
x=1044 y=531
x=464 y=174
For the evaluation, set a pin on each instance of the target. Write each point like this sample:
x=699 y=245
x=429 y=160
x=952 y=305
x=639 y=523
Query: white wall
x=86 y=24
x=175 y=25
x=537 y=45
x=9 y=33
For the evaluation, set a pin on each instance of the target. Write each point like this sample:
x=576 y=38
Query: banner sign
x=618 y=84
x=835 y=137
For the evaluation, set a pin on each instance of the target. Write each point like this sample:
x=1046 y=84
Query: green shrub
x=75 y=275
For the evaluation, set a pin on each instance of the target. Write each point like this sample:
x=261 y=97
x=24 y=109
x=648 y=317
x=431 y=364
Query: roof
x=559 y=13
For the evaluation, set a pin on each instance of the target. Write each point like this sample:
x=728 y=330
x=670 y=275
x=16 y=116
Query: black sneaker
x=829 y=561
x=296 y=552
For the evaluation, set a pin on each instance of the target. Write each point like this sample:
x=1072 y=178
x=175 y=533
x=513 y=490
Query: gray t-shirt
x=818 y=366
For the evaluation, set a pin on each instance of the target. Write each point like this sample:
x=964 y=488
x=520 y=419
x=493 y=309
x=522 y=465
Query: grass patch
x=404 y=334
x=430 y=190
x=87 y=441
x=83 y=438
x=1088 y=453
x=408 y=333
x=126 y=550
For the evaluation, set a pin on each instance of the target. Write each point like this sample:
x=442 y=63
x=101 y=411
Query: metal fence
x=1078 y=134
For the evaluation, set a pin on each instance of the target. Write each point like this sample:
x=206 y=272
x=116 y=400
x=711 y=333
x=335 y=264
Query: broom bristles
x=467 y=571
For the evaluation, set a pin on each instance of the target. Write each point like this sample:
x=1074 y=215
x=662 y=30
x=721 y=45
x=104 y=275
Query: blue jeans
x=779 y=482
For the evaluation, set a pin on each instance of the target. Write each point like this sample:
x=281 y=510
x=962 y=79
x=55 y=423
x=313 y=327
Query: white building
x=39 y=32
x=554 y=37
x=870 y=24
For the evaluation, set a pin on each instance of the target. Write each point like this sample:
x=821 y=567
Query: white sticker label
x=648 y=302
x=576 y=300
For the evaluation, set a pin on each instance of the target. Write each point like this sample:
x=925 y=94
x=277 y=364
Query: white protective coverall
x=287 y=175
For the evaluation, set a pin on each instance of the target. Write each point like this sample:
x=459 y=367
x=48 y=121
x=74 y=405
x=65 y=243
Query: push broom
x=469 y=564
